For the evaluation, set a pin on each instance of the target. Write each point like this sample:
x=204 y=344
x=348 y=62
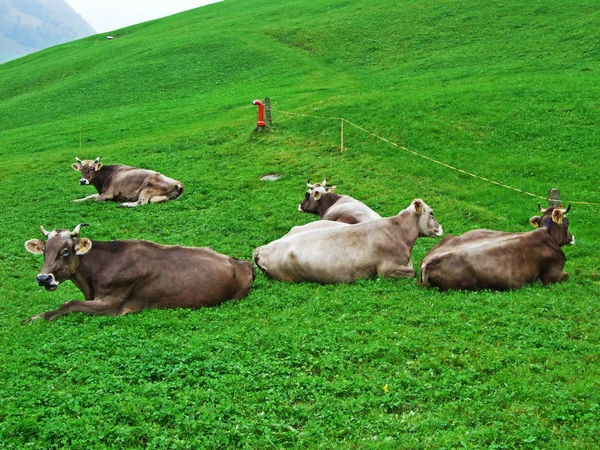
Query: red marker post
x=261 y=113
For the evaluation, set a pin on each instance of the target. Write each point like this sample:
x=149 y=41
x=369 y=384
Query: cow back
x=162 y=276
x=487 y=259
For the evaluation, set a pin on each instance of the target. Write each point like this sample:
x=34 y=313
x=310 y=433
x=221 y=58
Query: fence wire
x=420 y=155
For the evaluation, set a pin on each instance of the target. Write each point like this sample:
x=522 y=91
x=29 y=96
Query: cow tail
x=424 y=276
x=253 y=272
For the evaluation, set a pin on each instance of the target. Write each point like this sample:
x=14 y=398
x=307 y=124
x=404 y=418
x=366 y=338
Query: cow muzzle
x=439 y=231
x=48 y=281
x=300 y=207
x=83 y=181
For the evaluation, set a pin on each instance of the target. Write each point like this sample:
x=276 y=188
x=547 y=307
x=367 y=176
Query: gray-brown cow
x=129 y=185
x=312 y=226
x=119 y=277
x=486 y=259
x=324 y=203
x=345 y=253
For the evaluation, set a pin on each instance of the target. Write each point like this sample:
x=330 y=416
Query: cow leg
x=143 y=198
x=401 y=272
x=395 y=269
x=130 y=306
x=554 y=276
x=130 y=204
x=397 y=272
x=96 y=197
x=159 y=199
x=105 y=306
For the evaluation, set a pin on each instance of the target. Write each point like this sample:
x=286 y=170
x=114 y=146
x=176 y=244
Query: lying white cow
x=344 y=253
x=312 y=226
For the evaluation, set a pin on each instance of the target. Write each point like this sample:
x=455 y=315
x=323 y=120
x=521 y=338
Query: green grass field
x=506 y=90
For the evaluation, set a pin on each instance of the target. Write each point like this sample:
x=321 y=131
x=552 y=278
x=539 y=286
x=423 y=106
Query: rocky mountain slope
x=27 y=26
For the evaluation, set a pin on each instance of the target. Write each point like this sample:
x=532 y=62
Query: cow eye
x=64 y=252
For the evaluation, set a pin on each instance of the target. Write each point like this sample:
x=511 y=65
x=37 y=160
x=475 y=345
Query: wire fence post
x=554 y=197
x=342 y=137
x=268 y=110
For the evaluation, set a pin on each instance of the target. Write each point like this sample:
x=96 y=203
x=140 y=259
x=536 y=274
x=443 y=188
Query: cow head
x=556 y=222
x=61 y=255
x=88 y=169
x=428 y=226
x=312 y=198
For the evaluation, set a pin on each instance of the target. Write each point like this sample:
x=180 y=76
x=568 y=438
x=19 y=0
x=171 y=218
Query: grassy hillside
x=506 y=91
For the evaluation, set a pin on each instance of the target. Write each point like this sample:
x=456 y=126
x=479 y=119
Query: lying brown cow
x=126 y=184
x=486 y=259
x=119 y=277
x=324 y=203
x=345 y=253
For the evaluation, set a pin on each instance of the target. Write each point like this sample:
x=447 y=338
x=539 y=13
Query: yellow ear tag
x=83 y=246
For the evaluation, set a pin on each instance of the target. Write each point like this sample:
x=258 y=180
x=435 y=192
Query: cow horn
x=78 y=160
x=310 y=185
x=97 y=159
x=324 y=182
x=43 y=230
x=567 y=210
x=541 y=209
x=75 y=232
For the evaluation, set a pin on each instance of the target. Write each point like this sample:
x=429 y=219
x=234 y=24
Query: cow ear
x=76 y=167
x=535 y=221
x=98 y=166
x=82 y=246
x=331 y=189
x=317 y=195
x=35 y=246
x=558 y=215
x=419 y=207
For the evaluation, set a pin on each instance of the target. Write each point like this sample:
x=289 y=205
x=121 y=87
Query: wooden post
x=554 y=197
x=342 y=138
x=268 y=110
